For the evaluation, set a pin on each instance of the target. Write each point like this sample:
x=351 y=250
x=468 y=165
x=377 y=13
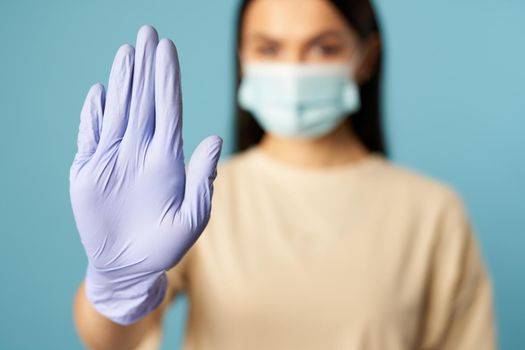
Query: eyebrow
x=327 y=34
x=319 y=37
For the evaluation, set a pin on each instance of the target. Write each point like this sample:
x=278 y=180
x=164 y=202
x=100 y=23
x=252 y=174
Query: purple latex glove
x=136 y=208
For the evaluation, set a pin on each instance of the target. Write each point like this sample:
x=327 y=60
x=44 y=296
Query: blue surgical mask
x=298 y=99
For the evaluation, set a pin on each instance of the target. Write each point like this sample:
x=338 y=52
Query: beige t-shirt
x=368 y=255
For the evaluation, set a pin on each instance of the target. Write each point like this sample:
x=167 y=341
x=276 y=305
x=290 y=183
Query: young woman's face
x=297 y=31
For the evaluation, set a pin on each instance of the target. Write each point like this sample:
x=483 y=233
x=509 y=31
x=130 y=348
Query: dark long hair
x=366 y=123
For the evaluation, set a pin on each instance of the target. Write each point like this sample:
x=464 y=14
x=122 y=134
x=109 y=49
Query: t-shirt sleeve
x=459 y=312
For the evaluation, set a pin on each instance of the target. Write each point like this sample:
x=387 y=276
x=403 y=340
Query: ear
x=370 y=60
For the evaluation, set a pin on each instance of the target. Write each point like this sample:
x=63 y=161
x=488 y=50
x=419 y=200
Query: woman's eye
x=267 y=50
x=327 y=50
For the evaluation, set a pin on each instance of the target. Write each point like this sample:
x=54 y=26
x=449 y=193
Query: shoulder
x=433 y=208
x=418 y=187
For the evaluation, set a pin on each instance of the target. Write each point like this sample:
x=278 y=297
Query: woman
x=315 y=240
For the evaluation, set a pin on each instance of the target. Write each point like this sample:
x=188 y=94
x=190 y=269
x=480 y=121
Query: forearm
x=98 y=332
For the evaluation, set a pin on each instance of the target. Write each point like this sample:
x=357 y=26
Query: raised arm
x=137 y=209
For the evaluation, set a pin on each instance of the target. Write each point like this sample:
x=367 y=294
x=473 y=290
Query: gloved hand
x=136 y=208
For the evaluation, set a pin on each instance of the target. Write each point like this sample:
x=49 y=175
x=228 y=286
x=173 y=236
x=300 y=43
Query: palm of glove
x=129 y=215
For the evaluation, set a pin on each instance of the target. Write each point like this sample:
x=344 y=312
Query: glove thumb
x=202 y=171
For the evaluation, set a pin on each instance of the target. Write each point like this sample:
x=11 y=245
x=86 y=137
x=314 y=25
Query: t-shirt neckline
x=266 y=162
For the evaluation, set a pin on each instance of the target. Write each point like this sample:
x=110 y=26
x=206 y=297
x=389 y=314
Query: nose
x=293 y=54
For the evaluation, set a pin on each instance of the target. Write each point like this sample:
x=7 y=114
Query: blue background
x=454 y=109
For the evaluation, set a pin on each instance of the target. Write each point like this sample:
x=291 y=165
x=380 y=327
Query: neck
x=340 y=146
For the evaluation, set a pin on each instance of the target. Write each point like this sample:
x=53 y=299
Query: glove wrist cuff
x=125 y=301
